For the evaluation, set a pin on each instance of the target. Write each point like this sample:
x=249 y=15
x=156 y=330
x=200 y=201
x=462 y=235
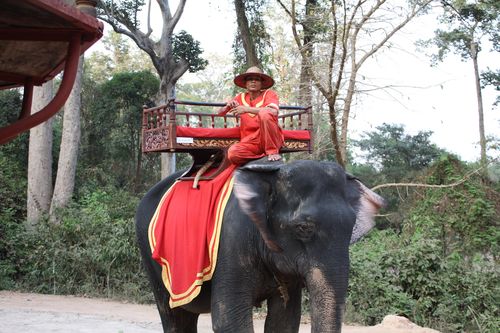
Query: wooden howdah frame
x=198 y=130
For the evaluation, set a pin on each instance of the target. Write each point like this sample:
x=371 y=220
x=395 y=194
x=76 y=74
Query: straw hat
x=267 y=81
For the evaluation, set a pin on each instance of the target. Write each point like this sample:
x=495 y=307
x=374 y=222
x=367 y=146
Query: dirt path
x=30 y=313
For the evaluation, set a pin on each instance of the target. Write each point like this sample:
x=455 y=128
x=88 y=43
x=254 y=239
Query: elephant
x=286 y=226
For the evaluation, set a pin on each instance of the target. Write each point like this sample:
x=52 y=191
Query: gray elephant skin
x=286 y=227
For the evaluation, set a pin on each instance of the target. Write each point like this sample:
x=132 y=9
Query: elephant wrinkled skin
x=285 y=227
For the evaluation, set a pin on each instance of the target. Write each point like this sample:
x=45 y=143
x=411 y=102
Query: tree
x=102 y=119
x=469 y=23
x=40 y=159
x=172 y=54
x=112 y=126
x=120 y=55
x=251 y=34
x=70 y=142
x=396 y=154
x=390 y=155
x=311 y=26
x=345 y=34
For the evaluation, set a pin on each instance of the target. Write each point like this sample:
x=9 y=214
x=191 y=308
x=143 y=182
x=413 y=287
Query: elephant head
x=308 y=213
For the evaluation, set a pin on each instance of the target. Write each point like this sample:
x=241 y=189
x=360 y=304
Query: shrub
x=410 y=277
x=441 y=270
x=12 y=213
x=92 y=251
x=372 y=291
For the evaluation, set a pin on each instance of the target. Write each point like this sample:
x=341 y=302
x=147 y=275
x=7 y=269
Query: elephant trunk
x=327 y=297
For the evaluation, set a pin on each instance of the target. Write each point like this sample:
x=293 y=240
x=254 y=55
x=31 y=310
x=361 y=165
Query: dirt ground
x=30 y=313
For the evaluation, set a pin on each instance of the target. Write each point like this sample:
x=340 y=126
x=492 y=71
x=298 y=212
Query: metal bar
x=27 y=99
x=292 y=114
x=7 y=133
x=283 y=107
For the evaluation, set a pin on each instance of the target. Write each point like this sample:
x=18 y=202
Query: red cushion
x=233 y=133
x=200 y=132
x=297 y=134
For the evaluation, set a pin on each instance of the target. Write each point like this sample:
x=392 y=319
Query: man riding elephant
x=284 y=227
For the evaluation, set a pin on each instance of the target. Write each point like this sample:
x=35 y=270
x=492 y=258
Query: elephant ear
x=366 y=204
x=252 y=189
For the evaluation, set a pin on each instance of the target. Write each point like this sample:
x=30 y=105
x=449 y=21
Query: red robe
x=260 y=134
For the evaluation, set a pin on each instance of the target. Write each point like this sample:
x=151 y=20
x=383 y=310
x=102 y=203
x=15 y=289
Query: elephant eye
x=304 y=230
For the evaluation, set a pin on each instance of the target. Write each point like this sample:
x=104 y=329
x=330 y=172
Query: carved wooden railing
x=167 y=129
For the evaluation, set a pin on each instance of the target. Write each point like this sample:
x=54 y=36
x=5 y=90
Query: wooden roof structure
x=38 y=40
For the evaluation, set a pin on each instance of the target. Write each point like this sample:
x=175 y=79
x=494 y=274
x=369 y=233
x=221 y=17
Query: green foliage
x=373 y=290
x=467 y=23
x=259 y=35
x=393 y=156
x=13 y=167
x=441 y=270
x=410 y=277
x=124 y=11
x=10 y=108
x=12 y=188
x=123 y=17
x=464 y=216
x=13 y=202
x=186 y=48
x=111 y=130
x=396 y=153
x=492 y=78
x=92 y=251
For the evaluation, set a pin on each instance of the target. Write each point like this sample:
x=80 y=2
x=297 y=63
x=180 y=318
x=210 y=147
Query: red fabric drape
x=260 y=133
x=184 y=234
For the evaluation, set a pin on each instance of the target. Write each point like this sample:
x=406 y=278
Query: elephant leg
x=284 y=316
x=173 y=320
x=232 y=314
x=232 y=301
x=178 y=320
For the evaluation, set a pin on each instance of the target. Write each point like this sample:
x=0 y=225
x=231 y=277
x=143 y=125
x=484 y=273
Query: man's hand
x=238 y=110
x=228 y=107
x=232 y=104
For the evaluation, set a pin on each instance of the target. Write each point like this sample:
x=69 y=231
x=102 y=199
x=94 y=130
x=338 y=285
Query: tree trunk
x=334 y=134
x=246 y=37
x=70 y=141
x=347 y=23
x=305 y=86
x=167 y=164
x=344 y=125
x=482 y=136
x=167 y=160
x=138 y=166
x=40 y=160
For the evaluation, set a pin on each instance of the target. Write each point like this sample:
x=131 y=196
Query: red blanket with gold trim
x=184 y=234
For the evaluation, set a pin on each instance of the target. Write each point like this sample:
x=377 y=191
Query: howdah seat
x=206 y=136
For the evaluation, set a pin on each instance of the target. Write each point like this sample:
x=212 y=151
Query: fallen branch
x=461 y=181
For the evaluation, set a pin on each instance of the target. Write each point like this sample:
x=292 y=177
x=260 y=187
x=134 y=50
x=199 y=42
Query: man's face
x=254 y=83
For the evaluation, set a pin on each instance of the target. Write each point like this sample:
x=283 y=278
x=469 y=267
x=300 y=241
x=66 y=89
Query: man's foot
x=273 y=157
